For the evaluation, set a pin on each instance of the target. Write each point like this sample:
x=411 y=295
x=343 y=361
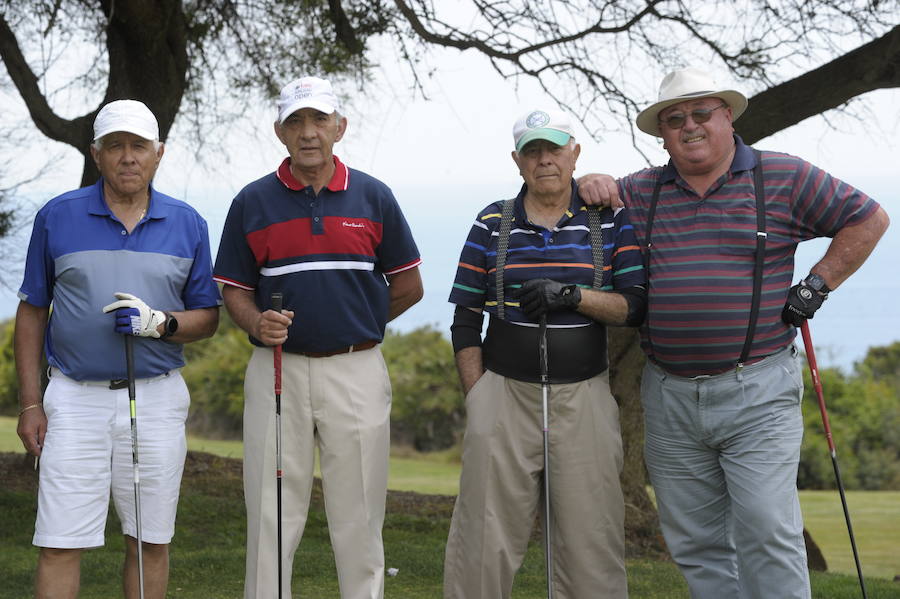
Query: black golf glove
x=802 y=302
x=539 y=296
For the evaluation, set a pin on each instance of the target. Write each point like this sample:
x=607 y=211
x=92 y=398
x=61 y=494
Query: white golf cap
x=306 y=92
x=130 y=116
x=551 y=125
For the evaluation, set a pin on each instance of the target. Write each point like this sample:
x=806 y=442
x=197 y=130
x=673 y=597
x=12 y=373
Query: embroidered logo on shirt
x=353 y=225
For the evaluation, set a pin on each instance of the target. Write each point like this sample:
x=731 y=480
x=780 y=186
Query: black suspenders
x=760 y=191
x=506 y=222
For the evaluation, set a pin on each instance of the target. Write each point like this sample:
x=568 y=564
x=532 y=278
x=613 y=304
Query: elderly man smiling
x=722 y=386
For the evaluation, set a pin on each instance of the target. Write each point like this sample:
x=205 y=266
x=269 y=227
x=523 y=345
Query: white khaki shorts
x=87 y=453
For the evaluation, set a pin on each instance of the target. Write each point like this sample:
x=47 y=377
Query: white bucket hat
x=129 y=116
x=552 y=125
x=688 y=84
x=306 y=92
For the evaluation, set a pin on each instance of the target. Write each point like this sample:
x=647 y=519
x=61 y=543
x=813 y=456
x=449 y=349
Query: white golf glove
x=134 y=317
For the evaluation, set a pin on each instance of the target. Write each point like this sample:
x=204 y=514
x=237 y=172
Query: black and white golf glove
x=804 y=299
x=539 y=296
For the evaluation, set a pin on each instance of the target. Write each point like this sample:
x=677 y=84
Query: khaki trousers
x=500 y=490
x=342 y=405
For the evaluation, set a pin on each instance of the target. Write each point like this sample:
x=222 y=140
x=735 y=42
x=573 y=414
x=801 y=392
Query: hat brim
x=554 y=136
x=139 y=131
x=305 y=103
x=648 y=120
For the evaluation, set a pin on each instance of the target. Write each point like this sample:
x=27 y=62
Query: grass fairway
x=208 y=550
x=875 y=516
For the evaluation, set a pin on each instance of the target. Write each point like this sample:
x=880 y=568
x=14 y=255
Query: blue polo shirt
x=328 y=254
x=80 y=255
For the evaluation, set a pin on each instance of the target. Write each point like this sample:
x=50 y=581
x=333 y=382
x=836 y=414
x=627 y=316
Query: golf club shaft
x=132 y=407
x=817 y=384
x=545 y=429
x=276 y=306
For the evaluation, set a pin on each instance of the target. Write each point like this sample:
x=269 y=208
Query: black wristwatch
x=171 y=326
x=817 y=284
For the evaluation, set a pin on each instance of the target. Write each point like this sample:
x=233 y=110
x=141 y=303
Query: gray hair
x=97 y=144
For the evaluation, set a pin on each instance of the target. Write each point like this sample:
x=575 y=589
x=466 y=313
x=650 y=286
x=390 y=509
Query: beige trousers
x=501 y=490
x=342 y=405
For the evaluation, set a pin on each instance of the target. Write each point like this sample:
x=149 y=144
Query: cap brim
x=143 y=133
x=555 y=136
x=292 y=108
x=648 y=120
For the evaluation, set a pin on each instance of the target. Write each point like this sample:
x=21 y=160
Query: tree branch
x=875 y=65
x=49 y=123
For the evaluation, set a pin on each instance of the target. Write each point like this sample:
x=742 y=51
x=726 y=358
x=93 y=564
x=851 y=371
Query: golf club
x=276 y=306
x=129 y=365
x=814 y=371
x=545 y=392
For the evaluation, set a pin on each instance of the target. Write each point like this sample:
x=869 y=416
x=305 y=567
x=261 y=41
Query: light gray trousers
x=722 y=452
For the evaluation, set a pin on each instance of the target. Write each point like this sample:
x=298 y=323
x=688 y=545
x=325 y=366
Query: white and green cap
x=552 y=125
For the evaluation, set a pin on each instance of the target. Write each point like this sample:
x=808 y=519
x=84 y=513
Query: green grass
x=207 y=552
x=875 y=516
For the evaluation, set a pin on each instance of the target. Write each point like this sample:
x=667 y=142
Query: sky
x=449 y=156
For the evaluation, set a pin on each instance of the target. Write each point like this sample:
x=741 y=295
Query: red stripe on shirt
x=294 y=238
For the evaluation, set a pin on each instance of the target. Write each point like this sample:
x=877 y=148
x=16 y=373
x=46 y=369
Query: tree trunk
x=642 y=532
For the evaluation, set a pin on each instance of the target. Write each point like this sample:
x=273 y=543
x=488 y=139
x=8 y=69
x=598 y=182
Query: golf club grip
x=817 y=384
x=129 y=366
x=277 y=299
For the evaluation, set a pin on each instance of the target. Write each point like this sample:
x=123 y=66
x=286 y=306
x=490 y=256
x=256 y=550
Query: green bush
x=428 y=410
x=215 y=376
x=864 y=414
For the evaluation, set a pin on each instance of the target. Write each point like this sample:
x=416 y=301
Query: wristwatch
x=171 y=326
x=817 y=284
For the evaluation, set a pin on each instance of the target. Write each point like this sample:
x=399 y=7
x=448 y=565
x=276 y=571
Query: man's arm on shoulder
x=850 y=247
x=405 y=290
x=31 y=323
x=269 y=327
x=599 y=190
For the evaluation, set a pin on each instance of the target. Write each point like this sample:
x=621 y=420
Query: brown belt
x=344 y=350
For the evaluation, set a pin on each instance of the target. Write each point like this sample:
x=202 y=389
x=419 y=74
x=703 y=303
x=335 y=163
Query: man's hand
x=31 y=429
x=272 y=327
x=539 y=296
x=134 y=317
x=599 y=190
x=802 y=303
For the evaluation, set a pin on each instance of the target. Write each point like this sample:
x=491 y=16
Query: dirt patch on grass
x=222 y=477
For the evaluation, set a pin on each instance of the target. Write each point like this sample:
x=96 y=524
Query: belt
x=113 y=384
x=344 y=350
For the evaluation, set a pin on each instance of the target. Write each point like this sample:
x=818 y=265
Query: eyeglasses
x=700 y=115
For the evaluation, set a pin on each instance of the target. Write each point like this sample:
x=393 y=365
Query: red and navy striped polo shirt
x=327 y=253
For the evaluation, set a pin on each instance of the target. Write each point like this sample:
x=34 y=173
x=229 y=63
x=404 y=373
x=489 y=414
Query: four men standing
x=721 y=388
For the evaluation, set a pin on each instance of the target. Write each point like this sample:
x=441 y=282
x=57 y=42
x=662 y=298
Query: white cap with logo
x=129 y=116
x=306 y=92
x=551 y=125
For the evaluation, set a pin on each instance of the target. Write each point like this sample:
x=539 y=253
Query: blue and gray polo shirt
x=80 y=255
